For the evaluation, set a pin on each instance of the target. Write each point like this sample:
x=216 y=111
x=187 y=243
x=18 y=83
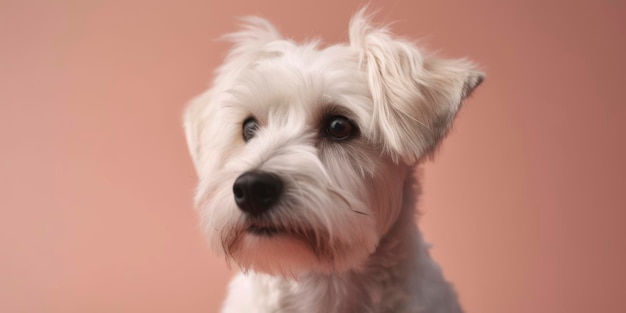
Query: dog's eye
x=250 y=127
x=340 y=128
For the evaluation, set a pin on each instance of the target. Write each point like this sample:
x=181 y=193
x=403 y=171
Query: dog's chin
x=275 y=251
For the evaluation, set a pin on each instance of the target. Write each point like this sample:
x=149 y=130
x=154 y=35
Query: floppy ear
x=195 y=120
x=415 y=96
x=248 y=46
x=255 y=33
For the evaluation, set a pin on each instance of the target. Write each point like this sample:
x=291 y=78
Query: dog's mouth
x=259 y=228
x=265 y=230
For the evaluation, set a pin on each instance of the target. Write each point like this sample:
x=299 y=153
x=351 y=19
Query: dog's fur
x=348 y=240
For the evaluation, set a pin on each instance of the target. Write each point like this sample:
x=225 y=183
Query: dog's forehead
x=304 y=78
x=309 y=57
x=306 y=67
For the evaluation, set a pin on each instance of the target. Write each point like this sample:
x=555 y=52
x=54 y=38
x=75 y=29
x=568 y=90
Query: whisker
x=339 y=196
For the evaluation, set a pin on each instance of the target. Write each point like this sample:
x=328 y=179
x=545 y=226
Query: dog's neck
x=399 y=276
x=385 y=274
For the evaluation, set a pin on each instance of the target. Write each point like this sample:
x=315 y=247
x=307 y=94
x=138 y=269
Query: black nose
x=256 y=192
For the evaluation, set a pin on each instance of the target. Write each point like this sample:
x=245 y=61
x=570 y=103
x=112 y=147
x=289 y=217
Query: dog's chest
x=266 y=294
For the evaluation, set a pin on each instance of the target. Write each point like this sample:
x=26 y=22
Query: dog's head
x=302 y=151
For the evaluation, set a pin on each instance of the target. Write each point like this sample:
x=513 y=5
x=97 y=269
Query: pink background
x=525 y=204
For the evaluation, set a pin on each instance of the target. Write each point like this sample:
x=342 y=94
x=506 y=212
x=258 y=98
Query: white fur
x=349 y=206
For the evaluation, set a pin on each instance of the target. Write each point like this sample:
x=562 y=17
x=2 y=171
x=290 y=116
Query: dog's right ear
x=194 y=122
x=250 y=41
x=248 y=46
x=255 y=30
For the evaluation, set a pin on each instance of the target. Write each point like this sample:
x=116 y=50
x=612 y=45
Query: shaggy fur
x=347 y=240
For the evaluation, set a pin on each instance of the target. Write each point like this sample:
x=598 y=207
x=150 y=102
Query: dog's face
x=302 y=151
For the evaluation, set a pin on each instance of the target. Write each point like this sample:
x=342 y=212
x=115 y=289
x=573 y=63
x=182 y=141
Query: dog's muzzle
x=256 y=192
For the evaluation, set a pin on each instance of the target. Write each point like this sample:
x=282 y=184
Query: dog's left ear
x=415 y=96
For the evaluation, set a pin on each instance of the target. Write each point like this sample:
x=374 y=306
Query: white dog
x=305 y=156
